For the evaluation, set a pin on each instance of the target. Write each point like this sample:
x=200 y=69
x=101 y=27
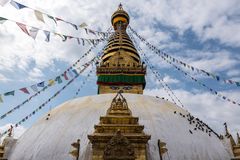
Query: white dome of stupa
x=75 y=119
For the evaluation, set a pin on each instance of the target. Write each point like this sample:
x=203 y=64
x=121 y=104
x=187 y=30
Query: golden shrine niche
x=119 y=136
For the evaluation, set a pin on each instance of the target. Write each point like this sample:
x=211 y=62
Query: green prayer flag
x=9 y=93
x=2 y=20
x=1 y=100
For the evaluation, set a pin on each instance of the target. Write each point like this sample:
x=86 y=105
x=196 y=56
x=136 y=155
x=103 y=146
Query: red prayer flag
x=65 y=75
x=24 y=90
x=23 y=27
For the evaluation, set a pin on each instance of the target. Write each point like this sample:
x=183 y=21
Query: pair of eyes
x=124 y=87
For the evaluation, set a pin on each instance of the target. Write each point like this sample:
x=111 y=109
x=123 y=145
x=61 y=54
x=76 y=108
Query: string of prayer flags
x=33 y=31
x=157 y=74
x=47 y=101
x=42 y=84
x=40 y=16
x=183 y=64
x=17 y=5
x=187 y=74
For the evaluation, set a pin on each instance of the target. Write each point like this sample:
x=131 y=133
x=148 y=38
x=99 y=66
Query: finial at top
x=120 y=7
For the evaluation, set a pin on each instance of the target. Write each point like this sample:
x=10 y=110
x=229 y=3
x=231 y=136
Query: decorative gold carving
x=106 y=144
x=119 y=105
x=119 y=148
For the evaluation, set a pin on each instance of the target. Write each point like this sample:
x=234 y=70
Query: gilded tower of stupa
x=121 y=67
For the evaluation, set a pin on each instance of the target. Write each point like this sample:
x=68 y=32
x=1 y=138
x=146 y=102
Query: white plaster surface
x=51 y=139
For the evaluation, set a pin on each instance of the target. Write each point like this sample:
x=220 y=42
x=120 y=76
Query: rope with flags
x=51 y=83
x=84 y=81
x=39 y=16
x=183 y=64
x=33 y=31
x=156 y=74
x=95 y=59
x=214 y=92
x=53 y=96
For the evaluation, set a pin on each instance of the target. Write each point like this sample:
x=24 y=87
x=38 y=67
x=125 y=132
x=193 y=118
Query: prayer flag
x=9 y=93
x=70 y=73
x=74 y=26
x=17 y=5
x=78 y=41
x=1 y=100
x=41 y=84
x=24 y=90
x=91 y=31
x=83 y=25
x=23 y=27
x=33 y=32
x=75 y=71
x=34 y=88
x=2 y=20
x=51 y=17
x=47 y=33
x=39 y=15
x=238 y=83
x=86 y=30
x=3 y=2
x=51 y=82
x=64 y=38
x=59 y=19
x=58 y=79
x=65 y=75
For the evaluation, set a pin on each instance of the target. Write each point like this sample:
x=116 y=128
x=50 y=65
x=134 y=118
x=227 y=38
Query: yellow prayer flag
x=51 y=82
x=39 y=15
x=83 y=25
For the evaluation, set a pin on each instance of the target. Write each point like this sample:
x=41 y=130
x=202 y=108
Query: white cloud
x=35 y=74
x=4 y=78
x=207 y=107
x=168 y=79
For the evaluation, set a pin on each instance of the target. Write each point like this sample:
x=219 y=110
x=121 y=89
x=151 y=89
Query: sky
x=204 y=34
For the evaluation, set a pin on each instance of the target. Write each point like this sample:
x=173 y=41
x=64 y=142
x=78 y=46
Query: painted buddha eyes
x=124 y=87
x=114 y=87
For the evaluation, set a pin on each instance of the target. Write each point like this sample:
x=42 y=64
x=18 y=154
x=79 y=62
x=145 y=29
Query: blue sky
x=205 y=34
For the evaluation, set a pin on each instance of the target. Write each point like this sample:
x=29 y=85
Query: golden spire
x=120 y=18
x=120 y=67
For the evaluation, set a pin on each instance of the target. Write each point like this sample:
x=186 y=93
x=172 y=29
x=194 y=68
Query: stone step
x=236 y=151
x=113 y=128
x=118 y=120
